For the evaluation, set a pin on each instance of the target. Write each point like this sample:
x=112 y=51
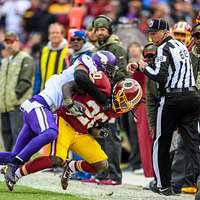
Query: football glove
x=103 y=132
x=75 y=108
x=99 y=132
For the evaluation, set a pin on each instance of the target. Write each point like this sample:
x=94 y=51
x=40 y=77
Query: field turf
x=27 y=193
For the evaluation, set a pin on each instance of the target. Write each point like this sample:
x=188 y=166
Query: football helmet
x=106 y=62
x=197 y=20
x=182 y=32
x=126 y=95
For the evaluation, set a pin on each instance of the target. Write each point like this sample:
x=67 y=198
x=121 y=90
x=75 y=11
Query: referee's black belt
x=177 y=90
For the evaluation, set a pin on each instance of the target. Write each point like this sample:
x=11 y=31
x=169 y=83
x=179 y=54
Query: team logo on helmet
x=106 y=61
x=103 y=58
x=182 y=31
x=126 y=95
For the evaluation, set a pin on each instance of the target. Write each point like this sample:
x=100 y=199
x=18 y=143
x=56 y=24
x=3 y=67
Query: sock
x=18 y=174
x=40 y=163
x=81 y=166
x=72 y=166
x=17 y=161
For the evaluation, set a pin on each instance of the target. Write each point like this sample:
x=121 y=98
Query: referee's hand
x=132 y=67
x=142 y=65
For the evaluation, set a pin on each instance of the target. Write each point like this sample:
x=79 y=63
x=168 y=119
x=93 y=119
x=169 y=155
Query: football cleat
x=9 y=184
x=66 y=175
x=9 y=175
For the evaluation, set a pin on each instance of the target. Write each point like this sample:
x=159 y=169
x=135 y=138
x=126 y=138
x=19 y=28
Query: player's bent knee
x=51 y=134
x=57 y=162
x=100 y=166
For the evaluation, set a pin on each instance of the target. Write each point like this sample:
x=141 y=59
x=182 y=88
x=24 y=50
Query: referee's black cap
x=155 y=25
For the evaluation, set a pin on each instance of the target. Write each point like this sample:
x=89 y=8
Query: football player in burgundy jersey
x=40 y=127
x=76 y=132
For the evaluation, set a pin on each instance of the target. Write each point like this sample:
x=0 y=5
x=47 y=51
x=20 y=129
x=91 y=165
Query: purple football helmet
x=106 y=62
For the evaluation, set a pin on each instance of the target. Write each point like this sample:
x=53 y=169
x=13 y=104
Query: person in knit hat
x=79 y=45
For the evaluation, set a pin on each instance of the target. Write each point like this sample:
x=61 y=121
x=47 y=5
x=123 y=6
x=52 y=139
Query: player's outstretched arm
x=83 y=81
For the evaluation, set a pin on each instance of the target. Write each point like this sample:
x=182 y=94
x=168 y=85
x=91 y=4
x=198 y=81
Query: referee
x=179 y=104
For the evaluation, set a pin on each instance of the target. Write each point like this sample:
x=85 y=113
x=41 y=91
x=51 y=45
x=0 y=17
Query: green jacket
x=114 y=45
x=16 y=81
x=152 y=101
x=195 y=58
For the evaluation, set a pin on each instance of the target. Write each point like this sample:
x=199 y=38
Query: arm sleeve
x=83 y=81
x=25 y=77
x=159 y=70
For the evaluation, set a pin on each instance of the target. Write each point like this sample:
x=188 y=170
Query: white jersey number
x=95 y=115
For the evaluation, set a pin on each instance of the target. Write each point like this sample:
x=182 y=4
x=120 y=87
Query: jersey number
x=93 y=116
x=183 y=54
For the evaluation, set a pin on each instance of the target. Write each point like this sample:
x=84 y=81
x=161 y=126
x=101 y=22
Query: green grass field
x=27 y=193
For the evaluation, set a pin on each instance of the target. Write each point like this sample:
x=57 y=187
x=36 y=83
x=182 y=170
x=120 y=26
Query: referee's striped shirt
x=172 y=67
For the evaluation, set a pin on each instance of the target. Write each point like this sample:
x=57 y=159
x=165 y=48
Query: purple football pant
x=6 y=157
x=39 y=129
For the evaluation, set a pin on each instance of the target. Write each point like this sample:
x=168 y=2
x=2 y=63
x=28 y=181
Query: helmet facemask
x=111 y=71
x=121 y=104
x=183 y=37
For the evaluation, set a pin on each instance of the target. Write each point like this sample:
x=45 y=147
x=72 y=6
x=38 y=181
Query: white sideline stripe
x=41 y=119
x=155 y=145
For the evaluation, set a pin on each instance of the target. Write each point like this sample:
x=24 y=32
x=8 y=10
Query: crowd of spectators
x=31 y=19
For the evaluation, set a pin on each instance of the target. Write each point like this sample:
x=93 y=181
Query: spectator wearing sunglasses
x=79 y=45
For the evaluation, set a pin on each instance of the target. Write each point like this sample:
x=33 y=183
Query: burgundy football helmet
x=126 y=95
x=106 y=62
x=182 y=31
